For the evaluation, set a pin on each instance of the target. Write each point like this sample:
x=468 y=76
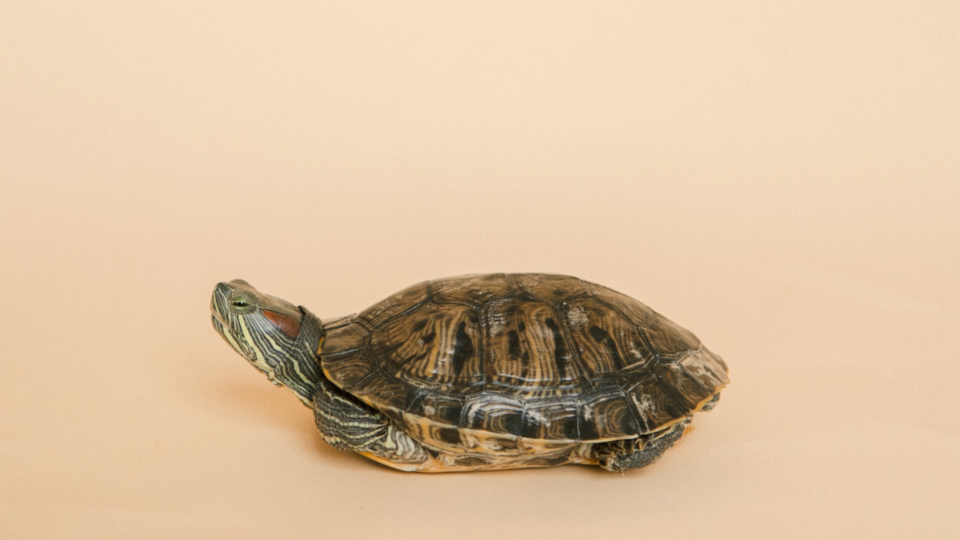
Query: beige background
x=783 y=178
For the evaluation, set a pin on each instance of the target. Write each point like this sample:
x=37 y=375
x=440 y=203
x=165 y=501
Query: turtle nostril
x=223 y=289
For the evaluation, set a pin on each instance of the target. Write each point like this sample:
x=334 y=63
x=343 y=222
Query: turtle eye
x=241 y=304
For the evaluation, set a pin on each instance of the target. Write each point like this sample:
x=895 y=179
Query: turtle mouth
x=227 y=333
x=218 y=321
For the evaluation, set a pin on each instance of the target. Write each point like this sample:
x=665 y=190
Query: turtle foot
x=623 y=455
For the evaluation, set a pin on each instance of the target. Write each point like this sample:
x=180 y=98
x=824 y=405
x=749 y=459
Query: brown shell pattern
x=519 y=363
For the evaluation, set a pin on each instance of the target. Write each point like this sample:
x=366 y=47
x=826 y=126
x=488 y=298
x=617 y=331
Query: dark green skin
x=285 y=356
x=246 y=319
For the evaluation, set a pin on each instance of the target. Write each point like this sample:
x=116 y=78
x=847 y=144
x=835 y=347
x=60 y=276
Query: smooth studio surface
x=781 y=179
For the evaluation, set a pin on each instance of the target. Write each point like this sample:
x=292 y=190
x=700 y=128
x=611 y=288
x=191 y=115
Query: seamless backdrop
x=781 y=178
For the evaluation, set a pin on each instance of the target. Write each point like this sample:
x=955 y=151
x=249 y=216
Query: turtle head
x=275 y=336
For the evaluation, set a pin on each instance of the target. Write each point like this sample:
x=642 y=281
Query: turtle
x=483 y=372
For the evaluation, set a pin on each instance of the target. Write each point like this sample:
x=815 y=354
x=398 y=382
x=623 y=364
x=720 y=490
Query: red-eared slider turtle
x=483 y=372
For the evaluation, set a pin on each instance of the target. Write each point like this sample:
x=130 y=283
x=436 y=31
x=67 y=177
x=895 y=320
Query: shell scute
x=609 y=414
x=706 y=367
x=439 y=436
x=345 y=339
x=439 y=349
x=634 y=310
x=525 y=346
x=551 y=288
x=551 y=420
x=668 y=338
x=485 y=442
x=605 y=340
x=391 y=395
x=494 y=413
x=445 y=409
x=688 y=390
x=347 y=371
x=402 y=302
x=472 y=290
x=654 y=405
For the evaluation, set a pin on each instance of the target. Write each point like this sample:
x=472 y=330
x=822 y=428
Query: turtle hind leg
x=626 y=454
x=711 y=403
x=346 y=423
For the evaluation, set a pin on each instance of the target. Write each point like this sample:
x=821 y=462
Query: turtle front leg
x=346 y=423
x=628 y=454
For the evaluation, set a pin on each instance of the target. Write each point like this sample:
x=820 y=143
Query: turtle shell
x=520 y=363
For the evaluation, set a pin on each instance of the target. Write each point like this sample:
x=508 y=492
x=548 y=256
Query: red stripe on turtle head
x=288 y=324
